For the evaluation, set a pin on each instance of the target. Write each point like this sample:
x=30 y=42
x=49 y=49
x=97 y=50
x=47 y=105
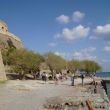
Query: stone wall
x=3 y=27
x=6 y=35
x=2 y=69
x=4 y=38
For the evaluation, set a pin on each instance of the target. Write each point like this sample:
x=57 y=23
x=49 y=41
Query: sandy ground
x=32 y=95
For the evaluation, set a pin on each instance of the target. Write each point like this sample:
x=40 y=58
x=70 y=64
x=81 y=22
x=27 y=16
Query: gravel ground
x=32 y=95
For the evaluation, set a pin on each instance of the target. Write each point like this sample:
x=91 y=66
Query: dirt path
x=32 y=95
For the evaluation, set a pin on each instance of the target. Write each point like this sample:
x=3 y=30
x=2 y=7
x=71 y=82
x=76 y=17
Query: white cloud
x=77 y=55
x=89 y=49
x=63 y=19
x=85 y=54
x=103 y=31
x=60 y=54
x=65 y=55
x=78 y=16
x=75 y=33
x=93 y=38
x=80 y=55
x=52 y=44
x=106 y=48
x=57 y=36
x=105 y=61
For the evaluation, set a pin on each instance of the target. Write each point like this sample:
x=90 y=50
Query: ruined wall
x=4 y=38
x=6 y=35
x=3 y=27
x=2 y=69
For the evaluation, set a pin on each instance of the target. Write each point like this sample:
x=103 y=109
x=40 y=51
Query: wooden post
x=89 y=105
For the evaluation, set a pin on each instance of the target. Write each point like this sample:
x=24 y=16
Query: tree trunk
x=52 y=75
x=21 y=75
x=35 y=77
x=52 y=72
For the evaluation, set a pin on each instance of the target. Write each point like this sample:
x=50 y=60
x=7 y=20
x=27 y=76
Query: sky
x=73 y=29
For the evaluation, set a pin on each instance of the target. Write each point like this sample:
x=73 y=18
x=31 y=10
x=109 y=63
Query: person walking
x=57 y=78
x=82 y=77
x=44 y=78
x=72 y=79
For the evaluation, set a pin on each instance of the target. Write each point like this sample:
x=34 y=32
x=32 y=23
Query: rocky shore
x=83 y=100
x=88 y=97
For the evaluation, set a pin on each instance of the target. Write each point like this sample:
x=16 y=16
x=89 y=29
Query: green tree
x=56 y=63
x=5 y=55
x=73 y=65
x=24 y=62
x=90 y=66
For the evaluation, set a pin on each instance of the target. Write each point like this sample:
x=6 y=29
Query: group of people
x=58 y=78
x=45 y=77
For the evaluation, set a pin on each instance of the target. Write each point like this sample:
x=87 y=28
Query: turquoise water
x=108 y=90
x=105 y=74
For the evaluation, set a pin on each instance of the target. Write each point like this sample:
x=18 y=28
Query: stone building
x=5 y=37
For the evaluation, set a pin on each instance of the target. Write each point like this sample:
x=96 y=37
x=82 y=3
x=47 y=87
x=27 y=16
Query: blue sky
x=78 y=29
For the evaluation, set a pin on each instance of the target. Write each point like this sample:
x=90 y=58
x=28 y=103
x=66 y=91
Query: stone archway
x=2 y=69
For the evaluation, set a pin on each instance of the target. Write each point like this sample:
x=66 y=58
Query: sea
x=105 y=74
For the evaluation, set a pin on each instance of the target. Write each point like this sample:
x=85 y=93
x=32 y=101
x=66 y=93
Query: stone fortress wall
x=2 y=69
x=5 y=35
